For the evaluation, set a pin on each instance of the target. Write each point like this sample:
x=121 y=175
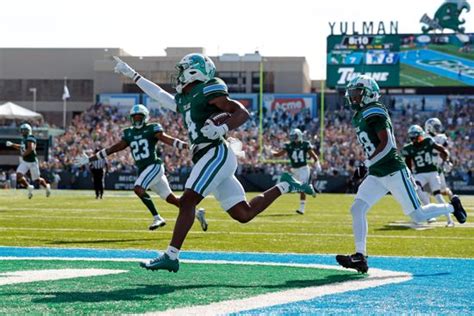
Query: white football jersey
x=440 y=139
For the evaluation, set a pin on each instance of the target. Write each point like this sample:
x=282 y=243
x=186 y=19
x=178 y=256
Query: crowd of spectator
x=101 y=126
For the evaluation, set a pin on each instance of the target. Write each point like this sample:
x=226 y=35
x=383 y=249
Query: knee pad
x=359 y=206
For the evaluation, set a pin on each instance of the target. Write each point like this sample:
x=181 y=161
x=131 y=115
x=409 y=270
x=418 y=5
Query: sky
x=147 y=27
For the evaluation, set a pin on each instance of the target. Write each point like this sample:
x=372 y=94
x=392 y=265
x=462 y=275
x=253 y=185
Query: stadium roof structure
x=13 y=111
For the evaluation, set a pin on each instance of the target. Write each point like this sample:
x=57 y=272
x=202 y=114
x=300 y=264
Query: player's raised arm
x=10 y=144
x=278 y=153
x=101 y=154
x=165 y=99
x=171 y=141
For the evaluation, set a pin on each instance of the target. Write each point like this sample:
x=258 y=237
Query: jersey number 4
x=140 y=149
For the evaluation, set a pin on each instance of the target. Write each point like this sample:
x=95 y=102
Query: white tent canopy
x=13 y=111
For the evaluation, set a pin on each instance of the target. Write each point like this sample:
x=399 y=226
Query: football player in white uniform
x=435 y=130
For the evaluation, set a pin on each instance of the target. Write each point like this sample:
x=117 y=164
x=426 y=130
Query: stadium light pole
x=260 y=110
x=321 y=121
x=33 y=90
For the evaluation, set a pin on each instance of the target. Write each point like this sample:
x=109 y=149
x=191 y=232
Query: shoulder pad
x=157 y=127
x=31 y=138
x=215 y=85
x=374 y=110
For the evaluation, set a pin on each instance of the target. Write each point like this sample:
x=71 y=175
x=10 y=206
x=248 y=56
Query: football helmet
x=414 y=132
x=25 y=129
x=296 y=135
x=361 y=91
x=434 y=126
x=139 y=109
x=194 y=67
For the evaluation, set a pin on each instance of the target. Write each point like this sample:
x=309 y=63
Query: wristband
x=178 y=144
x=102 y=154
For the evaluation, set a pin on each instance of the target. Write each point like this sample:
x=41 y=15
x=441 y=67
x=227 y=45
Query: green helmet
x=364 y=87
x=141 y=110
x=25 y=129
x=194 y=67
x=414 y=132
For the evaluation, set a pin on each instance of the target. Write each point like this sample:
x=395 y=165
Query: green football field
x=76 y=219
x=413 y=77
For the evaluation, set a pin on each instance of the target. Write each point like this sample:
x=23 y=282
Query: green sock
x=146 y=199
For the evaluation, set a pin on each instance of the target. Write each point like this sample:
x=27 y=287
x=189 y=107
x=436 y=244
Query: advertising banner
x=290 y=103
x=340 y=75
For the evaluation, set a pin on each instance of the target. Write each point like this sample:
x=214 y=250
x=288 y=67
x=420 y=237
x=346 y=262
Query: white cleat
x=30 y=191
x=157 y=223
x=450 y=224
x=431 y=220
x=201 y=217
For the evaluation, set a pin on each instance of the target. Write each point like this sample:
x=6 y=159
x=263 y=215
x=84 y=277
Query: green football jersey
x=23 y=145
x=368 y=122
x=195 y=108
x=422 y=155
x=298 y=153
x=142 y=143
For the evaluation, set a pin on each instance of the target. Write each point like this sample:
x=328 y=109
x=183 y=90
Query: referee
x=97 y=169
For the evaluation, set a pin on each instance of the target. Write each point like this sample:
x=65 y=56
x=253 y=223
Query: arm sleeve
x=165 y=99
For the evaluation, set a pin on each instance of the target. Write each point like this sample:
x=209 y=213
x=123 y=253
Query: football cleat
x=201 y=217
x=300 y=212
x=432 y=220
x=30 y=191
x=459 y=211
x=157 y=223
x=162 y=262
x=296 y=186
x=355 y=261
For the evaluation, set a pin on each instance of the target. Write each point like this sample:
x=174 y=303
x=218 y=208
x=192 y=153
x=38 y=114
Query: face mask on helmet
x=139 y=116
x=193 y=67
x=415 y=133
x=434 y=126
x=296 y=135
x=361 y=91
x=25 y=129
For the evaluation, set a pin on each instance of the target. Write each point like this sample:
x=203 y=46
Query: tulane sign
x=364 y=28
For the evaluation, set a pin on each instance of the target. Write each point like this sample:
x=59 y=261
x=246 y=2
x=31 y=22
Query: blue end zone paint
x=439 y=286
x=412 y=58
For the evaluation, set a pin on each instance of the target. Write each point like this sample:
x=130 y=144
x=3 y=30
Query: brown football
x=220 y=118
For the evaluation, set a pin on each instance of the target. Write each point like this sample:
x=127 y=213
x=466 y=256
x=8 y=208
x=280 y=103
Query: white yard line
x=227 y=233
x=27 y=276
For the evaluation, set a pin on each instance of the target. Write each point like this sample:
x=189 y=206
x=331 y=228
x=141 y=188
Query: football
x=220 y=118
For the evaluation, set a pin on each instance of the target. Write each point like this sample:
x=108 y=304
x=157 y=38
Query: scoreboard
x=401 y=60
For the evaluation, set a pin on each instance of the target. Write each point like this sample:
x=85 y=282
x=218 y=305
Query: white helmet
x=194 y=67
x=296 y=135
x=365 y=87
x=26 y=129
x=142 y=110
x=434 y=126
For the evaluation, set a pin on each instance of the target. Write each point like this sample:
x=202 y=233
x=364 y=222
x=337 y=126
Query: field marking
x=225 y=232
x=28 y=276
x=376 y=277
x=416 y=80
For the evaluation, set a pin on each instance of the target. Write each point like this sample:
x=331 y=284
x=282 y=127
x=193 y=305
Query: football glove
x=81 y=160
x=360 y=173
x=123 y=68
x=9 y=143
x=212 y=131
x=447 y=166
